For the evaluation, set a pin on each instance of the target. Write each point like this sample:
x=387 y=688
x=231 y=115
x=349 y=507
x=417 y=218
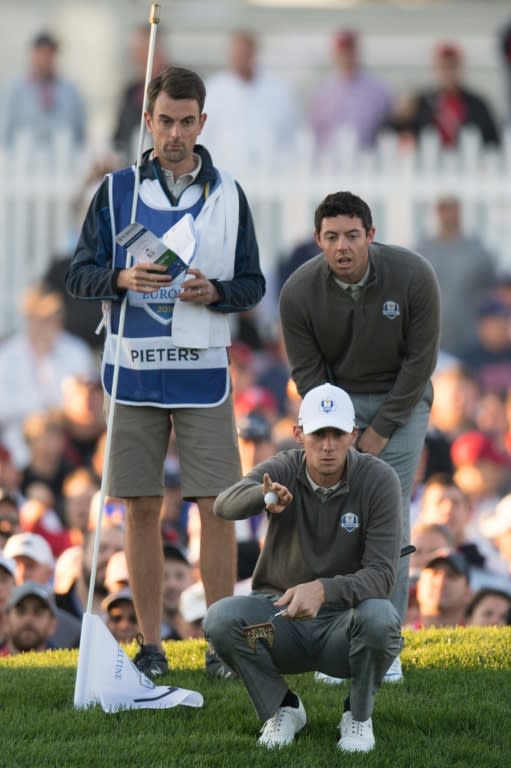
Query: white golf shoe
x=356 y=735
x=394 y=673
x=281 y=729
x=321 y=677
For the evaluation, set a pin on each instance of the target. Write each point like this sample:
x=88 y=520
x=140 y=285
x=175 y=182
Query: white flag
x=107 y=676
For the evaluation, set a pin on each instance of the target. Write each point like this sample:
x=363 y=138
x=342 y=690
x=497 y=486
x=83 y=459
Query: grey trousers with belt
x=358 y=643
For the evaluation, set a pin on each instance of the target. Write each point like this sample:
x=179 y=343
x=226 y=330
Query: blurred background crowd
x=52 y=428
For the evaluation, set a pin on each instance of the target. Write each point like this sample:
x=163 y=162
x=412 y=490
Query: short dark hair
x=343 y=204
x=177 y=83
x=482 y=594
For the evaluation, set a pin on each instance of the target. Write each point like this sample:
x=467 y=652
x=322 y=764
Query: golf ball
x=271 y=498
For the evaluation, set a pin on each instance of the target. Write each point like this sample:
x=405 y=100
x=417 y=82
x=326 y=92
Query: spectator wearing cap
x=41 y=102
x=116 y=573
x=447 y=106
x=35 y=563
x=443 y=591
x=31 y=619
x=488 y=356
x=120 y=616
x=9 y=516
x=7 y=583
x=177 y=576
x=33 y=365
x=192 y=607
x=489 y=607
x=350 y=97
x=33 y=556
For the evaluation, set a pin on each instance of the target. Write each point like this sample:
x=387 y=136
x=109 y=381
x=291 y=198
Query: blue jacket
x=90 y=275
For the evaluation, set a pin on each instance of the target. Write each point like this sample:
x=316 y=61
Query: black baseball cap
x=173 y=552
x=456 y=560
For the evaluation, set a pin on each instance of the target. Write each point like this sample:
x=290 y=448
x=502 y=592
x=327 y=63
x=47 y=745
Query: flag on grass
x=107 y=676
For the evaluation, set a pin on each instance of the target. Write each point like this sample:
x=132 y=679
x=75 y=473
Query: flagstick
x=81 y=676
x=153 y=19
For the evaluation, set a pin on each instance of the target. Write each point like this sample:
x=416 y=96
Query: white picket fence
x=400 y=184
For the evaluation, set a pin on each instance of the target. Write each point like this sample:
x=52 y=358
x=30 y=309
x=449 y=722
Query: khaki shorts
x=207 y=445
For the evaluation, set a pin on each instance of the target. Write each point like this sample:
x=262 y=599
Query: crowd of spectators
x=52 y=426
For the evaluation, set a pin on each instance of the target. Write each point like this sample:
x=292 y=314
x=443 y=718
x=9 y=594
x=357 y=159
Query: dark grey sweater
x=351 y=541
x=385 y=342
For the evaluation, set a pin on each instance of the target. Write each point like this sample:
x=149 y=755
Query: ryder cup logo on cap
x=326 y=406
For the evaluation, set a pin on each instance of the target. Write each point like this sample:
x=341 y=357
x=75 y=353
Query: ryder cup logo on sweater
x=391 y=310
x=350 y=522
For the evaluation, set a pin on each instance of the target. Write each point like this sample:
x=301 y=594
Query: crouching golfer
x=330 y=558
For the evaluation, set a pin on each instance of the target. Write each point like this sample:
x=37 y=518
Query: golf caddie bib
x=156 y=367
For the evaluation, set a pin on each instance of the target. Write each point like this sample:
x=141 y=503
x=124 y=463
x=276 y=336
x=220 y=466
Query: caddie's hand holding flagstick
x=276 y=496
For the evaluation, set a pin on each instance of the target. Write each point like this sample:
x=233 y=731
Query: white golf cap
x=192 y=603
x=499 y=521
x=29 y=545
x=326 y=406
x=116 y=570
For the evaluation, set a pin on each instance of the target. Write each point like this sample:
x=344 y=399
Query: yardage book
x=175 y=249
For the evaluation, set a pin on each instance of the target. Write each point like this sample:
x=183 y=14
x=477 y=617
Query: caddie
x=174 y=367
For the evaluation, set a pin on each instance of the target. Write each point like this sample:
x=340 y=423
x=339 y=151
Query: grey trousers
x=402 y=453
x=358 y=643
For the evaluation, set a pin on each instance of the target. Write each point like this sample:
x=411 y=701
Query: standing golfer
x=330 y=557
x=174 y=366
x=365 y=316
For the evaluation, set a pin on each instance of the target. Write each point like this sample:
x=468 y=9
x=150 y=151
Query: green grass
x=453 y=710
